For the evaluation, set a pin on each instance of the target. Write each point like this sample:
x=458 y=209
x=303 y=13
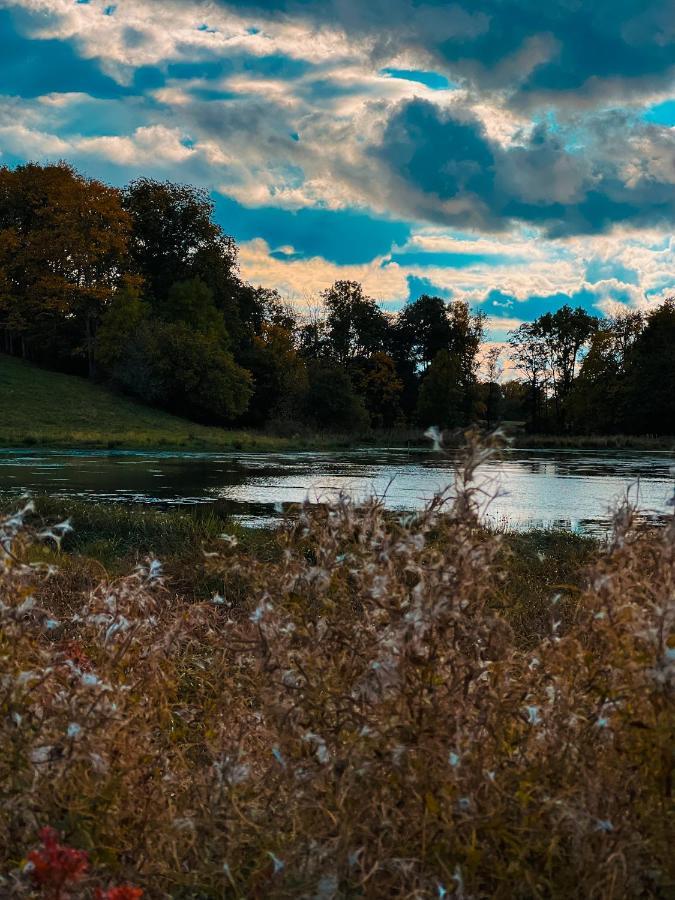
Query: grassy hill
x=48 y=408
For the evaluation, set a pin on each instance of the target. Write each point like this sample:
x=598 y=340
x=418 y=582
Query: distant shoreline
x=262 y=442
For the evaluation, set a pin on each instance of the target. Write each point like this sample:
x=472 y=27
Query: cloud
x=536 y=52
x=442 y=166
x=508 y=152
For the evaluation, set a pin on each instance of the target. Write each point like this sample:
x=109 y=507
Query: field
x=353 y=706
x=51 y=409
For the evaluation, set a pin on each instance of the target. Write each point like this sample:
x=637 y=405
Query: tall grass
x=355 y=717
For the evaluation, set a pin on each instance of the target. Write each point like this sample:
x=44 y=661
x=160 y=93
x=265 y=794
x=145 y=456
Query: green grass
x=51 y=409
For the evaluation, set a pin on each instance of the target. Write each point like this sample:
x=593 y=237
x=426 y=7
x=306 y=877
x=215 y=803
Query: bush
x=357 y=718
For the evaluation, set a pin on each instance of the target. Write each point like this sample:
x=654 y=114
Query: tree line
x=140 y=288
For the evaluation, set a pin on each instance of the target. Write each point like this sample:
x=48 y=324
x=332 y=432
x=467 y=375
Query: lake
x=549 y=488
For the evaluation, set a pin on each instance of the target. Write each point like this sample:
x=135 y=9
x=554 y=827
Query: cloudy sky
x=516 y=153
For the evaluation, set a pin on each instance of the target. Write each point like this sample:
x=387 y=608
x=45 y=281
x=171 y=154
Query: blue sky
x=512 y=153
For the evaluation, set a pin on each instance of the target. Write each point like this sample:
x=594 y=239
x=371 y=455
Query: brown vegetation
x=359 y=714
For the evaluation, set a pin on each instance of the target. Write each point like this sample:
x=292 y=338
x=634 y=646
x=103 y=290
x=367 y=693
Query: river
x=536 y=488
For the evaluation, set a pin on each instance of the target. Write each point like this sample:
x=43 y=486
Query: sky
x=517 y=154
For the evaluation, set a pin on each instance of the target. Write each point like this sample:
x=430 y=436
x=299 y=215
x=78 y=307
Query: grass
x=51 y=409
x=114 y=537
x=594 y=442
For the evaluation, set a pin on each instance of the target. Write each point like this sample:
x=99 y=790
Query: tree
x=493 y=373
x=331 y=401
x=597 y=401
x=650 y=373
x=423 y=329
x=174 y=236
x=467 y=332
x=279 y=374
x=376 y=381
x=441 y=398
x=514 y=400
x=355 y=325
x=563 y=334
x=191 y=302
x=182 y=361
x=63 y=255
x=531 y=359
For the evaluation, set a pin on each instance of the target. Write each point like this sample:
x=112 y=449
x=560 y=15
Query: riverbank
x=593 y=442
x=115 y=537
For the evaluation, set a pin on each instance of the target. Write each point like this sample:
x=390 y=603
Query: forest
x=139 y=288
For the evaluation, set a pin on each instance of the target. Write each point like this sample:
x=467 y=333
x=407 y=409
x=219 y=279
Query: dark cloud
x=442 y=166
x=569 y=50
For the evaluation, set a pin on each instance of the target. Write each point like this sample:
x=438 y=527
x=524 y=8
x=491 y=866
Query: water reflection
x=572 y=489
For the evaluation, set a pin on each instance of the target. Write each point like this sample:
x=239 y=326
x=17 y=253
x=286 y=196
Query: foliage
x=627 y=379
x=354 y=717
x=651 y=374
x=279 y=375
x=355 y=324
x=63 y=242
x=174 y=238
x=331 y=401
x=423 y=329
x=441 y=396
x=377 y=381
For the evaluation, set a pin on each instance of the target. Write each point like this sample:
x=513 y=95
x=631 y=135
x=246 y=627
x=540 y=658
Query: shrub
x=357 y=720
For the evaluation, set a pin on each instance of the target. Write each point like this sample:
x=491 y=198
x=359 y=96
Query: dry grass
x=356 y=716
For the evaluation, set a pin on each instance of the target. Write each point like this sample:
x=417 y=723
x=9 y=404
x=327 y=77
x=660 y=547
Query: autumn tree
x=63 y=256
x=376 y=381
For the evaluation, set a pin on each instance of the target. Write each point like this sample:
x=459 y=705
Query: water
x=537 y=488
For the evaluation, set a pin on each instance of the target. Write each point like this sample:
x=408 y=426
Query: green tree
x=597 y=401
x=563 y=335
x=650 y=374
x=423 y=328
x=355 y=324
x=441 y=397
x=182 y=362
x=279 y=374
x=174 y=237
x=331 y=401
x=192 y=303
